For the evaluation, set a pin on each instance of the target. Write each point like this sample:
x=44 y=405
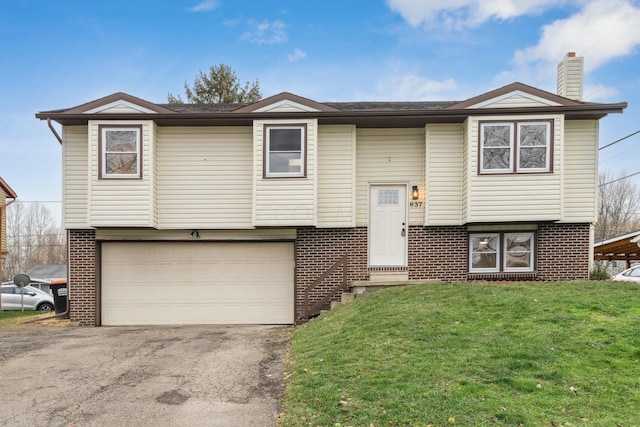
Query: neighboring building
x=618 y=253
x=43 y=275
x=5 y=193
x=256 y=213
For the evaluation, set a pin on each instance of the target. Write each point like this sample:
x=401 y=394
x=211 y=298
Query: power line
x=619 y=154
x=619 y=179
x=618 y=140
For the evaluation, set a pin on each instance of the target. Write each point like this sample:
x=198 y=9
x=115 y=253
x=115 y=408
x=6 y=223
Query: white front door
x=388 y=226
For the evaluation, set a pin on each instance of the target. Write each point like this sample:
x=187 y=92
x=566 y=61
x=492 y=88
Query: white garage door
x=197 y=283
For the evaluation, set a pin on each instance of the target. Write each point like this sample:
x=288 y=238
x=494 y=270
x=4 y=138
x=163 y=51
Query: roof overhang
x=385 y=118
x=621 y=248
x=8 y=190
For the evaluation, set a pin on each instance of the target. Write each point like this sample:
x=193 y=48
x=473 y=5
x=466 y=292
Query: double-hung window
x=285 y=151
x=502 y=252
x=515 y=147
x=120 y=151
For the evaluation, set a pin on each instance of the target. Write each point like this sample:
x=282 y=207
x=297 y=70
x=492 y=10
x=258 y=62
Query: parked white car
x=629 y=275
x=33 y=298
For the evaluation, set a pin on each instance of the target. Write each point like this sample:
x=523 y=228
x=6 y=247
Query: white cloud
x=297 y=55
x=599 y=93
x=414 y=87
x=458 y=14
x=603 y=30
x=204 y=6
x=266 y=32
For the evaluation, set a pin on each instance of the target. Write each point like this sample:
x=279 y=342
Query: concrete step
x=363 y=287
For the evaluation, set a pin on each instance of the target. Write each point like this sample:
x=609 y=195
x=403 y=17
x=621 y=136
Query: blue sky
x=57 y=54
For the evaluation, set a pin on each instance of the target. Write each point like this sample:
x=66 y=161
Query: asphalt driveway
x=143 y=376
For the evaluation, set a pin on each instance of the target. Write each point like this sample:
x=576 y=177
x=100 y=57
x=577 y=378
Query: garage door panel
x=197 y=283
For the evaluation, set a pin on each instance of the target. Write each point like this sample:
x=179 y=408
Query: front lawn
x=13 y=318
x=531 y=354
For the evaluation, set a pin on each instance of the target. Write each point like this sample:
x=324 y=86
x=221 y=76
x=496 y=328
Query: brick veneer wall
x=317 y=249
x=82 y=276
x=435 y=253
x=438 y=253
x=563 y=251
x=442 y=253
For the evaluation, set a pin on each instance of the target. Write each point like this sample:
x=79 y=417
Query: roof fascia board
x=10 y=193
x=285 y=102
x=635 y=235
x=581 y=109
x=265 y=104
x=536 y=98
x=513 y=87
x=103 y=108
x=99 y=104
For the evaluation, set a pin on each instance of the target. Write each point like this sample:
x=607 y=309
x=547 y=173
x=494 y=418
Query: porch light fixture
x=415 y=194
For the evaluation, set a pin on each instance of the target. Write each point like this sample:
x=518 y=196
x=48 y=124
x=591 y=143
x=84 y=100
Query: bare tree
x=618 y=206
x=32 y=239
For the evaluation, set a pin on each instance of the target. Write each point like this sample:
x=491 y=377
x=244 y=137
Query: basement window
x=502 y=252
x=285 y=151
x=120 y=151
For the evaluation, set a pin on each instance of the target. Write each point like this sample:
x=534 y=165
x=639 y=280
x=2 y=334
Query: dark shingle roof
x=202 y=108
x=342 y=106
x=389 y=106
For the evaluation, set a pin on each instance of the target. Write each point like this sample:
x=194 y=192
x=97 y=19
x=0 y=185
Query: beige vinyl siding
x=570 y=77
x=580 y=171
x=465 y=172
x=75 y=173
x=285 y=201
x=3 y=225
x=394 y=156
x=122 y=202
x=515 y=100
x=205 y=177
x=156 y=189
x=336 y=176
x=514 y=196
x=444 y=172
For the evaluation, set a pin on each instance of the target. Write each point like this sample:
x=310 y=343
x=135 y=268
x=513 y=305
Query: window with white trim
x=120 y=151
x=515 y=147
x=285 y=151
x=502 y=252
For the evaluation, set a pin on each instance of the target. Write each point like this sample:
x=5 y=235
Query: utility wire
x=619 y=179
x=618 y=140
x=619 y=154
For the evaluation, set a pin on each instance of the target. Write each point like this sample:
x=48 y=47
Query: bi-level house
x=262 y=213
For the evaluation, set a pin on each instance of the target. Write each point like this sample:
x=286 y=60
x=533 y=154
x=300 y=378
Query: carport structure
x=622 y=248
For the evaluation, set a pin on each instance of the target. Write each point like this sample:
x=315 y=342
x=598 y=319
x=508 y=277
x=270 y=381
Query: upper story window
x=285 y=151
x=515 y=147
x=120 y=151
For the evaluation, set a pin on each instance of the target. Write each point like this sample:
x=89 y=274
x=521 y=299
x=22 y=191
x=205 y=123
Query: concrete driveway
x=143 y=376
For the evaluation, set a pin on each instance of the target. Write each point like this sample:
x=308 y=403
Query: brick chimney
x=570 y=72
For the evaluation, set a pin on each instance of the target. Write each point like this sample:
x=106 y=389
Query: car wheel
x=45 y=306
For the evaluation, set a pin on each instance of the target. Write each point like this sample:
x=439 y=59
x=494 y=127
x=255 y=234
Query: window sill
x=501 y=275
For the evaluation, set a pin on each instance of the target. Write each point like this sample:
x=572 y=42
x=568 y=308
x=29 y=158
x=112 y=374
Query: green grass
x=12 y=318
x=561 y=354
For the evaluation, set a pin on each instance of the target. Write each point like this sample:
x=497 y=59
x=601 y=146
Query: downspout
x=55 y=132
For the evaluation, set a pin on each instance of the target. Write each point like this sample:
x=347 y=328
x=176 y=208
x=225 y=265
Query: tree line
x=33 y=239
